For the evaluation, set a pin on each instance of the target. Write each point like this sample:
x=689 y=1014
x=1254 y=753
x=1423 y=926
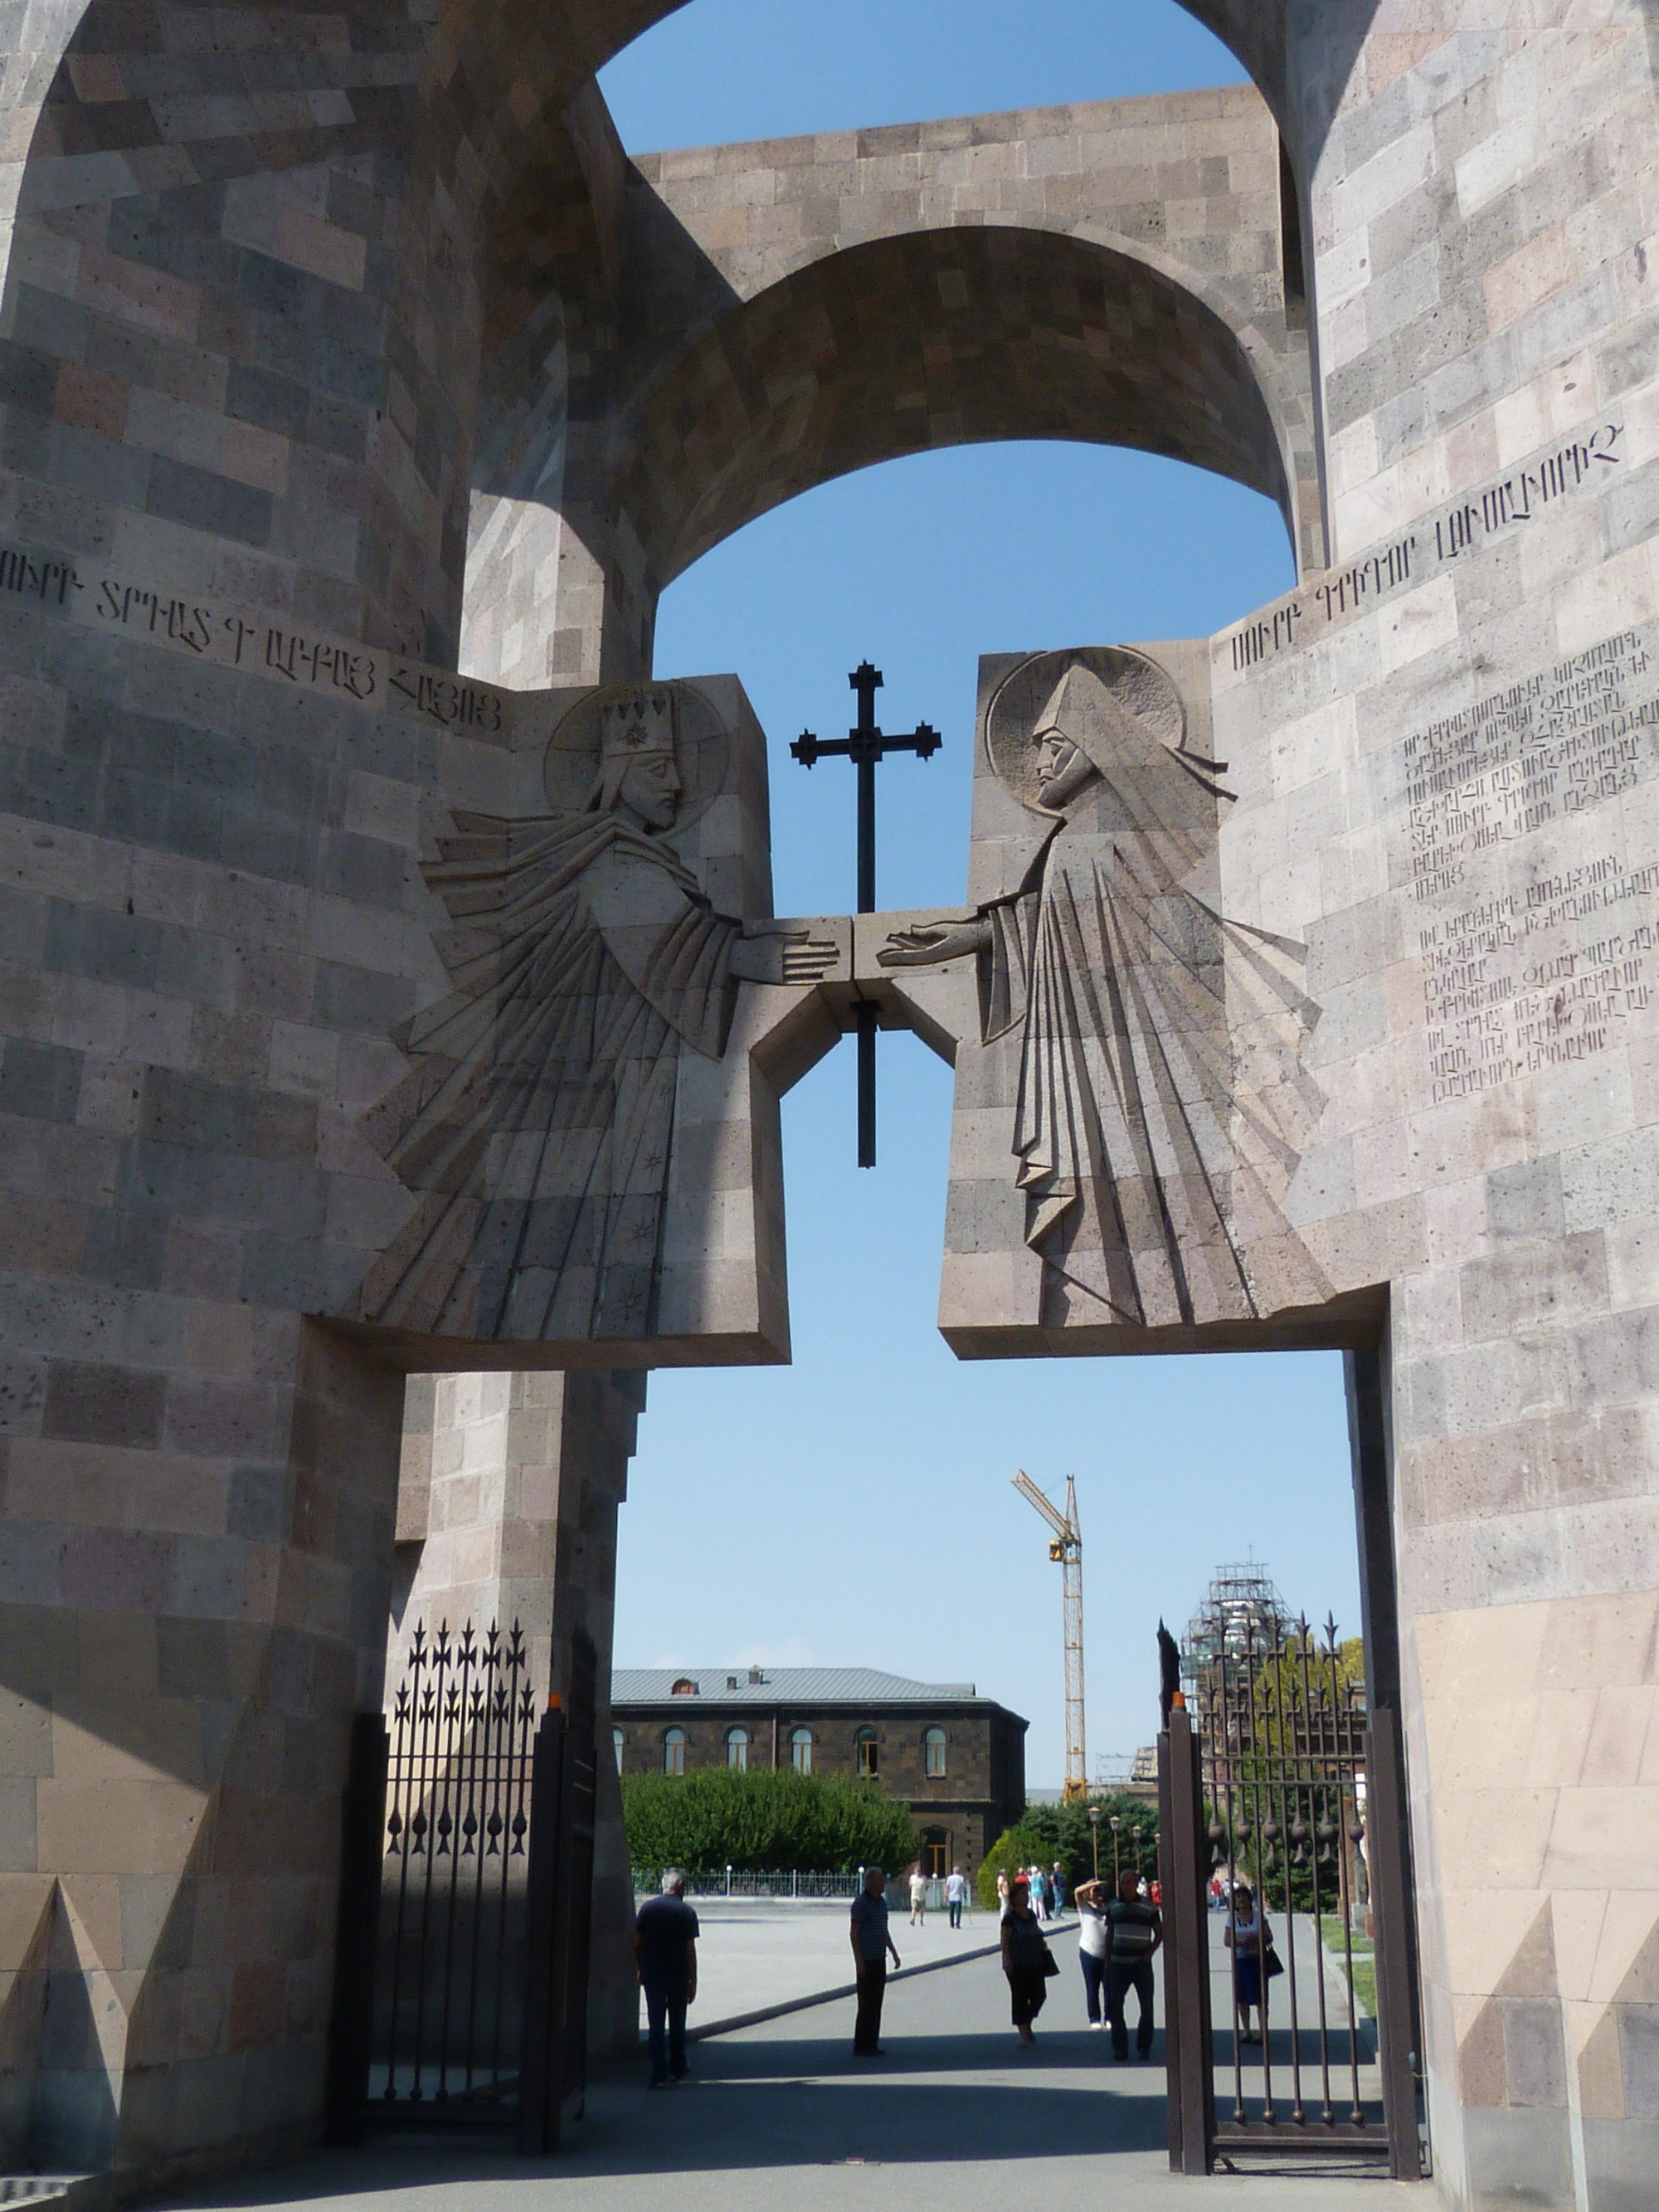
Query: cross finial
x=867 y=681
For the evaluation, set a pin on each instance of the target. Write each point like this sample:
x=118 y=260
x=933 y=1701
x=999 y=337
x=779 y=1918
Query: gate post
x=538 y=2103
x=1187 y=1987
x=1391 y=1901
x=1166 y=1838
x=351 y=2024
x=560 y=1912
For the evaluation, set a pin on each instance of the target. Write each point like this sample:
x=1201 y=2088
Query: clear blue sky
x=855 y=1508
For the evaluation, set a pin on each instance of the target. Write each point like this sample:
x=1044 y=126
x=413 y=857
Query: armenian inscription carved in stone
x=1573 y=467
x=1527 y=966
x=230 y=637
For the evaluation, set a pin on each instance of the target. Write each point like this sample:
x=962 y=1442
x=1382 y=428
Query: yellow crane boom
x=1065 y=1546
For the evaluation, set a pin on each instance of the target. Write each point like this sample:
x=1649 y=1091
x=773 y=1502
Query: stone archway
x=959 y=337
x=255 y=283
x=1114 y=273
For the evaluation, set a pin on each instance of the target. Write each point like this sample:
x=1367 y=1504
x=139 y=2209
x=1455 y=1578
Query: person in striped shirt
x=1134 y=1935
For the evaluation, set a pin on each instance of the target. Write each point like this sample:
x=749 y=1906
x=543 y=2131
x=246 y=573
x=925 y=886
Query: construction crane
x=1065 y=1546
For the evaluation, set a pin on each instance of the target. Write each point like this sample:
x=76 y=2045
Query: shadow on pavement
x=1073 y=2049
x=789 y=2102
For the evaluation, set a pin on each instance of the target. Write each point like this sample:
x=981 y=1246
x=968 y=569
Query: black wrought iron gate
x=1281 y=1800
x=461 y=1981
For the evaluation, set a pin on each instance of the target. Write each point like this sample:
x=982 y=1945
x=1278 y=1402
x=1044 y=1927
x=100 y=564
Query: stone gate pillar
x=196 y=1566
x=507 y=1511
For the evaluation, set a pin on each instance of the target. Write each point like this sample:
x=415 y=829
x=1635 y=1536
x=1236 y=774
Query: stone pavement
x=756 y=1953
x=954 y=2119
x=1353 y=2074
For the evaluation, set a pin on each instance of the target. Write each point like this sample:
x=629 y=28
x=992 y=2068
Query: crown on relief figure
x=641 y=722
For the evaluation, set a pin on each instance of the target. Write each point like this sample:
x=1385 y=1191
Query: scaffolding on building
x=1241 y=1609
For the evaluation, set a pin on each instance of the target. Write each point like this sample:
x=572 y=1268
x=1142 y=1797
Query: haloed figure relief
x=1160 y=1104
x=537 y=1120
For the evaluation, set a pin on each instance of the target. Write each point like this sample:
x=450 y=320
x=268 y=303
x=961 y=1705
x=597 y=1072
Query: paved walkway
x=756 y=1954
x=954 y=2119
x=1350 y=2074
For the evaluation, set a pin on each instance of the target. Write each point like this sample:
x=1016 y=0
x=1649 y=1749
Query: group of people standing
x=1048 y=1890
x=1119 y=1937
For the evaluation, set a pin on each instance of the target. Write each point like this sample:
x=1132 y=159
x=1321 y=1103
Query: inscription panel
x=1538 y=940
x=235 y=638
x=1580 y=465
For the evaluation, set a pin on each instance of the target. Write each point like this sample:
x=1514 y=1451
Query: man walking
x=665 y=1954
x=1057 y=1889
x=956 y=1894
x=918 y=1896
x=870 y=1944
x=1135 y=1932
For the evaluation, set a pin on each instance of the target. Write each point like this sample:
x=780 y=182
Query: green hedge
x=717 y=1817
x=1044 y=1833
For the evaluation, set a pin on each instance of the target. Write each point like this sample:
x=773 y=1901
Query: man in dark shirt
x=870 y=1944
x=1135 y=1930
x=665 y=1953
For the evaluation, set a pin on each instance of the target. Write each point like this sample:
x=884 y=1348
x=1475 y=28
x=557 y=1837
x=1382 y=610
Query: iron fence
x=1284 y=1777
x=739 y=1882
x=465 y=1896
x=1290 y=1793
x=449 y=2021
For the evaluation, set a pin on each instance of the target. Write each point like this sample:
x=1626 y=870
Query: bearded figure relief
x=1161 y=1105
x=537 y=1121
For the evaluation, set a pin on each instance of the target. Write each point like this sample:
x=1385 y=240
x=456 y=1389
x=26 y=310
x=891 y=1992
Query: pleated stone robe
x=1116 y=974
x=537 y=1122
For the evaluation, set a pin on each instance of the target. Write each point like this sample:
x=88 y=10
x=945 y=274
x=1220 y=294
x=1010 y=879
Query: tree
x=1285 y=1805
x=1013 y=1849
x=1044 y=1833
x=763 y=1820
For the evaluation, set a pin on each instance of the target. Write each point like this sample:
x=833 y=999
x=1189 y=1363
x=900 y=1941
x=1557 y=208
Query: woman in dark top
x=1025 y=1959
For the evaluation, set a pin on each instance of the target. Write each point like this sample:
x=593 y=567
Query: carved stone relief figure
x=537 y=1121
x=1109 y=969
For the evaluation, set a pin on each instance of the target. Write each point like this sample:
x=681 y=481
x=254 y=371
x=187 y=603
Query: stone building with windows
x=957 y=1759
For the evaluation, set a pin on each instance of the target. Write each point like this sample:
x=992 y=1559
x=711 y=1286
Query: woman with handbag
x=1249 y=1937
x=1026 y=1960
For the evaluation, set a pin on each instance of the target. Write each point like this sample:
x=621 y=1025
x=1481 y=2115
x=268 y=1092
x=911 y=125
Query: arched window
x=673 y=1751
x=932 y=1751
x=736 y=1749
x=618 y=1745
x=869 y=1755
x=800 y=1750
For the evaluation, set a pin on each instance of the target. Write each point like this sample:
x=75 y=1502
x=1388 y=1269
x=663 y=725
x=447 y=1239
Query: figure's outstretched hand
x=921 y=948
x=764 y=955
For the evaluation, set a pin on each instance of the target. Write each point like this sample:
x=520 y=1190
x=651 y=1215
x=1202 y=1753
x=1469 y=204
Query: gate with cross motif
x=461 y=1975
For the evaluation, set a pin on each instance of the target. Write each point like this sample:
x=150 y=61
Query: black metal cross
x=865 y=745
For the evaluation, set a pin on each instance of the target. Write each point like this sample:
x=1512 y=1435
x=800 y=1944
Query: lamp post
x=1116 y=1823
x=1094 y=1836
